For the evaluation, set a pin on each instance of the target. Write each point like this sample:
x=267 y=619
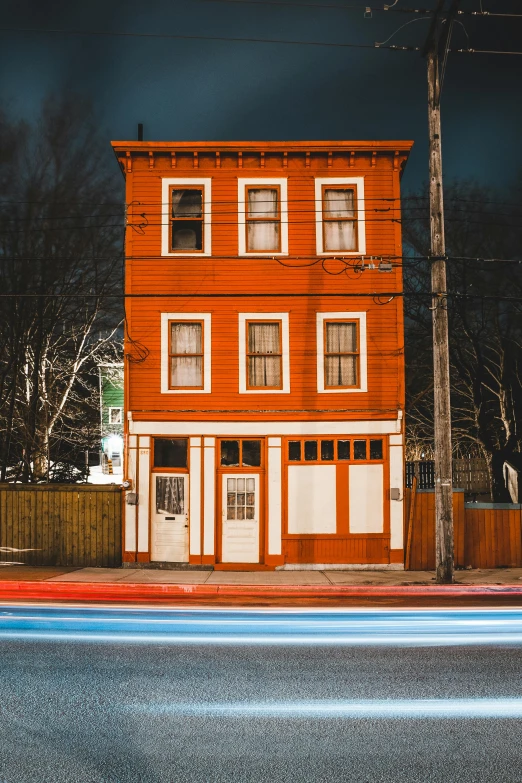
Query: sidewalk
x=496 y=576
x=260 y=588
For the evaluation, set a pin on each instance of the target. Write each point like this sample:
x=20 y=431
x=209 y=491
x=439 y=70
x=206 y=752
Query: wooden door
x=170 y=519
x=240 y=518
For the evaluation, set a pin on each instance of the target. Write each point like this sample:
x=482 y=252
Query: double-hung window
x=341 y=352
x=264 y=353
x=185 y=352
x=262 y=216
x=340 y=224
x=186 y=213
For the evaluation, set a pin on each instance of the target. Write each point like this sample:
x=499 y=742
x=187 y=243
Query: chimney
x=140 y=131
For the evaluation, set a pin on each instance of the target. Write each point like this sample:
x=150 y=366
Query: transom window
x=264 y=354
x=186 y=217
x=170 y=452
x=339 y=218
x=240 y=453
x=263 y=219
x=334 y=449
x=186 y=354
x=341 y=354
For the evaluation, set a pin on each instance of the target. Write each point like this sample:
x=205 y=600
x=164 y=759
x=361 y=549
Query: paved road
x=117 y=696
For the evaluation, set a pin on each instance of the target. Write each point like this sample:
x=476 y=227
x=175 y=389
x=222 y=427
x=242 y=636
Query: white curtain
x=264 y=370
x=339 y=234
x=262 y=236
x=341 y=370
x=186 y=339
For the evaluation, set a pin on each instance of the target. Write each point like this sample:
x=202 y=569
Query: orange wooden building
x=264 y=363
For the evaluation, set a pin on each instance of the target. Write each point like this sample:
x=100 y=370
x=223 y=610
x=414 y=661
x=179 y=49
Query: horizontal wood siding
x=225 y=285
x=338 y=550
x=60 y=525
x=382 y=400
x=484 y=537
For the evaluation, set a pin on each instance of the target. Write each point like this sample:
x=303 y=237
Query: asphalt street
x=116 y=695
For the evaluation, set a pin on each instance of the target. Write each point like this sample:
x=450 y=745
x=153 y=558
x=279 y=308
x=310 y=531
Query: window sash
x=340 y=232
x=189 y=362
x=264 y=363
x=257 y=225
x=340 y=361
x=188 y=218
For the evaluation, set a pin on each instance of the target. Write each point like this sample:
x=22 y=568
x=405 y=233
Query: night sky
x=222 y=90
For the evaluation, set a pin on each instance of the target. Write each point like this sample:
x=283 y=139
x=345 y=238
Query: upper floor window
x=264 y=363
x=341 y=352
x=185 y=353
x=186 y=216
x=264 y=354
x=262 y=216
x=263 y=219
x=340 y=224
x=115 y=416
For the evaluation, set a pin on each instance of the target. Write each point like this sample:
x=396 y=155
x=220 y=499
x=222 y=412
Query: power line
x=326 y=6
x=198 y=38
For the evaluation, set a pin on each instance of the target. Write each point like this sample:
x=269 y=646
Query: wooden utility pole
x=437 y=43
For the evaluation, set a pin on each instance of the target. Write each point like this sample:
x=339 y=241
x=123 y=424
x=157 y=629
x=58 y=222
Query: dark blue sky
x=217 y=90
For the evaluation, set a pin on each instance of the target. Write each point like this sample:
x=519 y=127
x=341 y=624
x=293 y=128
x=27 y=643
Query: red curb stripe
x=81 y=591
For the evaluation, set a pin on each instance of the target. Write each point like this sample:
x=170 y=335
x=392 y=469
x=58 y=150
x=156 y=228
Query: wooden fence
x=469 y=474
x=487 y=535
x=61 y=525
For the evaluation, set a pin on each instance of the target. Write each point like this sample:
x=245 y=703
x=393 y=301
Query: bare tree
x=485 y=323
x=60 y=284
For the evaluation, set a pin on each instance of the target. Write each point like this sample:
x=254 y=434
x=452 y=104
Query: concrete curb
x=132 y=592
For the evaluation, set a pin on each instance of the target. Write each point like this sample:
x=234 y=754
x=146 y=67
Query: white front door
x=170 y=518
x=240 y=518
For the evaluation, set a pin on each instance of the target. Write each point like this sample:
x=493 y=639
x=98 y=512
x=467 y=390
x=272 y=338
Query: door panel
x=240 y=518
x=170 y=518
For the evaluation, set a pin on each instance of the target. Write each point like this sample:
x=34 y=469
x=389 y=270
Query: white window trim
x=166 y=184
x=242 y=183
x=207 y=344
x=363 y=355
x=285 y=346
x=116 y=408
x=361 y=232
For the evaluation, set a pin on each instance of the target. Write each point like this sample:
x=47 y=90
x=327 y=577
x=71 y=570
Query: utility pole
x=437 y=43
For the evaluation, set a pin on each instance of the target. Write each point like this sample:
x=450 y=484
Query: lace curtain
x=170 y=494
x=339 y=234
x=261 y=235
x=340 y=368
x=264 y=370
x=186 y=339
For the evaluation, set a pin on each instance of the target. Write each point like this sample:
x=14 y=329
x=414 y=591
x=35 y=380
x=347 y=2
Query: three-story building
x=264 y=357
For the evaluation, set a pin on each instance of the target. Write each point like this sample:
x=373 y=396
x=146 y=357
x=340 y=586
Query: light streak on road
x=350 y=709
x=421 y=628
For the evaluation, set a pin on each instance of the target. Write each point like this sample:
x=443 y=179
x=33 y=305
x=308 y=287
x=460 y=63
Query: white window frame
x=166 y=184
x=285 y=348
x=242 y=184
x=361 y=227
x=116 y=408
x=363 y=355
x=207 y=347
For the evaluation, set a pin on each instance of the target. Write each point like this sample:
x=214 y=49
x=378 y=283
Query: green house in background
x=111 y=413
